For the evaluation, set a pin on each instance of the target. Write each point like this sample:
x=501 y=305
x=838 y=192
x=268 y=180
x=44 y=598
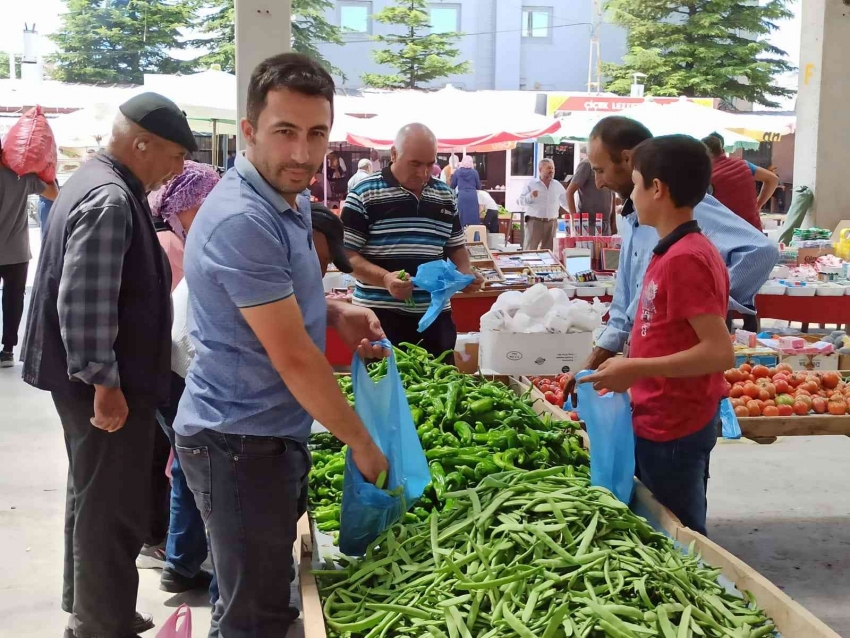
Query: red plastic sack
x=170 y=629
x=29 y=146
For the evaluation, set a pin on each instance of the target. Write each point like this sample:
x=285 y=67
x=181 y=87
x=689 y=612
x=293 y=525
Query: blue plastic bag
x=383 y=408
x=729 y=420
x=612 y=440
x=442 y=280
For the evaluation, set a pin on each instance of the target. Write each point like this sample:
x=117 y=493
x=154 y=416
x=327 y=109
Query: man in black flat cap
x=98 y=338
x=329 y=239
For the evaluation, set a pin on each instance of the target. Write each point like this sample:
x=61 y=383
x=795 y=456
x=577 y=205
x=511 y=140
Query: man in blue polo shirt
x=257 y=320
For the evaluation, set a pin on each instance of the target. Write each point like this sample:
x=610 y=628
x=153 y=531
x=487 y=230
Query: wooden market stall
x=791 y=619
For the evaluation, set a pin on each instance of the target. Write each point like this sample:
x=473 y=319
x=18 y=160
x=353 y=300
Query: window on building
x=445 y=18
x=536 y=22
x=355 y=17
x=522 y=160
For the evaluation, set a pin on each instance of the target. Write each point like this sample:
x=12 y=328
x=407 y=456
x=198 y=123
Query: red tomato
x=745 y=367
x=764 y=395
x=736 y=391
x=819 y=405
x=837 y=408
x=800 y=408
x=805 y=399
x=783 y=367
x=770 y=402
x=752 y=390
x=785 y=410
x=550 y=397
x=738 y=402
x=574 y=416
x=760 y=371
x=733 y=376
x=781 y=385
x=742 y=411
x=771 y=372
x=754 y=408
x=771 y=410
x=831 y=380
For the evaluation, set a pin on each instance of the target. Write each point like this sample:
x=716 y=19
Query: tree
x=309 y=26
x=709 y=48
x=4 y=65
x=422 y=56
x=111 y=41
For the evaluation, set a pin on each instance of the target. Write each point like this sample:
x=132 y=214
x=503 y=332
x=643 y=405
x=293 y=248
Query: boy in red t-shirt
x=679 y=346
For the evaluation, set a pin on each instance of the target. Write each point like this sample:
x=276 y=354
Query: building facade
x=542 y=45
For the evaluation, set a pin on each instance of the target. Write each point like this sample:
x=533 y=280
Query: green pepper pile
x=537 y=554
x=469 y=427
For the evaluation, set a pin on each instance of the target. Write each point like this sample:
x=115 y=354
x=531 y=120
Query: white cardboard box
x=533 y=354
x=816 y=362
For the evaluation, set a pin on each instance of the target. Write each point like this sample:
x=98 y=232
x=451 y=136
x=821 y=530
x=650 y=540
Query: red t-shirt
x=685 y=278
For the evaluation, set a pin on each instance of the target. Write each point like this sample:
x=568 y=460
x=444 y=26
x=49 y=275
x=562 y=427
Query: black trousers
x=251 y=491
x=751 y=322
x=105 y=518
x=160 y=494
x=14 y=279
x=404 y=327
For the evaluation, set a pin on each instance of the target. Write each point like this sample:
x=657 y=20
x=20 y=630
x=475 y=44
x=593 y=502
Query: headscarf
x=454 y=160
x=183 y=192
x=467 y=162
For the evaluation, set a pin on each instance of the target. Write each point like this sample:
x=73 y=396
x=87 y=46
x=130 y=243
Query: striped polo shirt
x=392 y=228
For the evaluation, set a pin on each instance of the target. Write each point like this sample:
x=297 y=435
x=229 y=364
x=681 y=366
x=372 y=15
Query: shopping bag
x=442 y=280
x=608 y=418
x=29 y=146
x=366 y=510
x=170 y=628
x=729 y=420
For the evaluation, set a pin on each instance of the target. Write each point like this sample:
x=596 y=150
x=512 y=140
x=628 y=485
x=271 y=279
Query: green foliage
x=309 y=27
x=4 y=65
x=418 y=55
x=707 y=48
x=111 y=41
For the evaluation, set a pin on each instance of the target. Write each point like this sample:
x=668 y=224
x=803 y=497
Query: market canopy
x=459 y=119
x=680 y=117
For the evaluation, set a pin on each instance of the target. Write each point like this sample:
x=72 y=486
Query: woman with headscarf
x=449 y=169
x=468 y=183
x=174 y=207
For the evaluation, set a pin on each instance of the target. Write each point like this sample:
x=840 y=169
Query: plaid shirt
x=99 y=238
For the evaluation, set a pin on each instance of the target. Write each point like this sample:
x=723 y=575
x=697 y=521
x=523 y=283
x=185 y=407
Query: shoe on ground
x=151 y=557
x=7 y=359
x=141 y=624
x=175 y=583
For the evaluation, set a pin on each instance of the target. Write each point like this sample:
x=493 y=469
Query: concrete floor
x=783 y=508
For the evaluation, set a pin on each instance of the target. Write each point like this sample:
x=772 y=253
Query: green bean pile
x=534 y=554
x=469 y=428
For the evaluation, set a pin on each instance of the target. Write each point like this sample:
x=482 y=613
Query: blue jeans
x=251 y=491
x=676 y=472
x=186 y=544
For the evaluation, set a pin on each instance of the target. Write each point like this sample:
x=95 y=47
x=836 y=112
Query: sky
x=46 y=15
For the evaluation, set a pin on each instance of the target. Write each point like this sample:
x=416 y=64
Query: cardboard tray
x=791 y=618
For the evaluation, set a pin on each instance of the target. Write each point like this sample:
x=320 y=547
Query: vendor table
x=815 y=309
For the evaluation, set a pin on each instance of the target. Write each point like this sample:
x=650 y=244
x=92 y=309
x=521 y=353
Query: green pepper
x=438 y=478
x=452 y=397
x=322 y=516
x=481 y=406
x=479 y=427
x=417 y=413
x=462 y=459
x=337 y=481
x=453 y=481
x=464 y=431
x=450 y=440
x=485 y=468
x=430 y=438
x=502 y=461
x=328 y=526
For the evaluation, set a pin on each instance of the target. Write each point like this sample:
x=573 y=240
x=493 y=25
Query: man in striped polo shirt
x=395 y=221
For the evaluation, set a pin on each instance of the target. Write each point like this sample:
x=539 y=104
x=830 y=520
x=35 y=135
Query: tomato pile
x=553 y=390
x=762 y=391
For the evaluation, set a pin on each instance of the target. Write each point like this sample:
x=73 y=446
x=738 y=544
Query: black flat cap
x=330 y=225
x=160 y=116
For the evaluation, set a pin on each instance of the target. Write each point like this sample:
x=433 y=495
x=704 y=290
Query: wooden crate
x=482 y=259
x=791 y=618
x=811 y=425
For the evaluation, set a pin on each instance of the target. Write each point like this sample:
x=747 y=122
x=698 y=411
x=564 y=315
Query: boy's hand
x=614 y=375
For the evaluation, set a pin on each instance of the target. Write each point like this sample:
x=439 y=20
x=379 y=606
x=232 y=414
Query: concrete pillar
x=262 y=29
x=822 y=150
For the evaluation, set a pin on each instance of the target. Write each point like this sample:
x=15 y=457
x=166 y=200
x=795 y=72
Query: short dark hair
x=679 y=161
x=715 y=144
x=619 y=134
x=293 y=71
